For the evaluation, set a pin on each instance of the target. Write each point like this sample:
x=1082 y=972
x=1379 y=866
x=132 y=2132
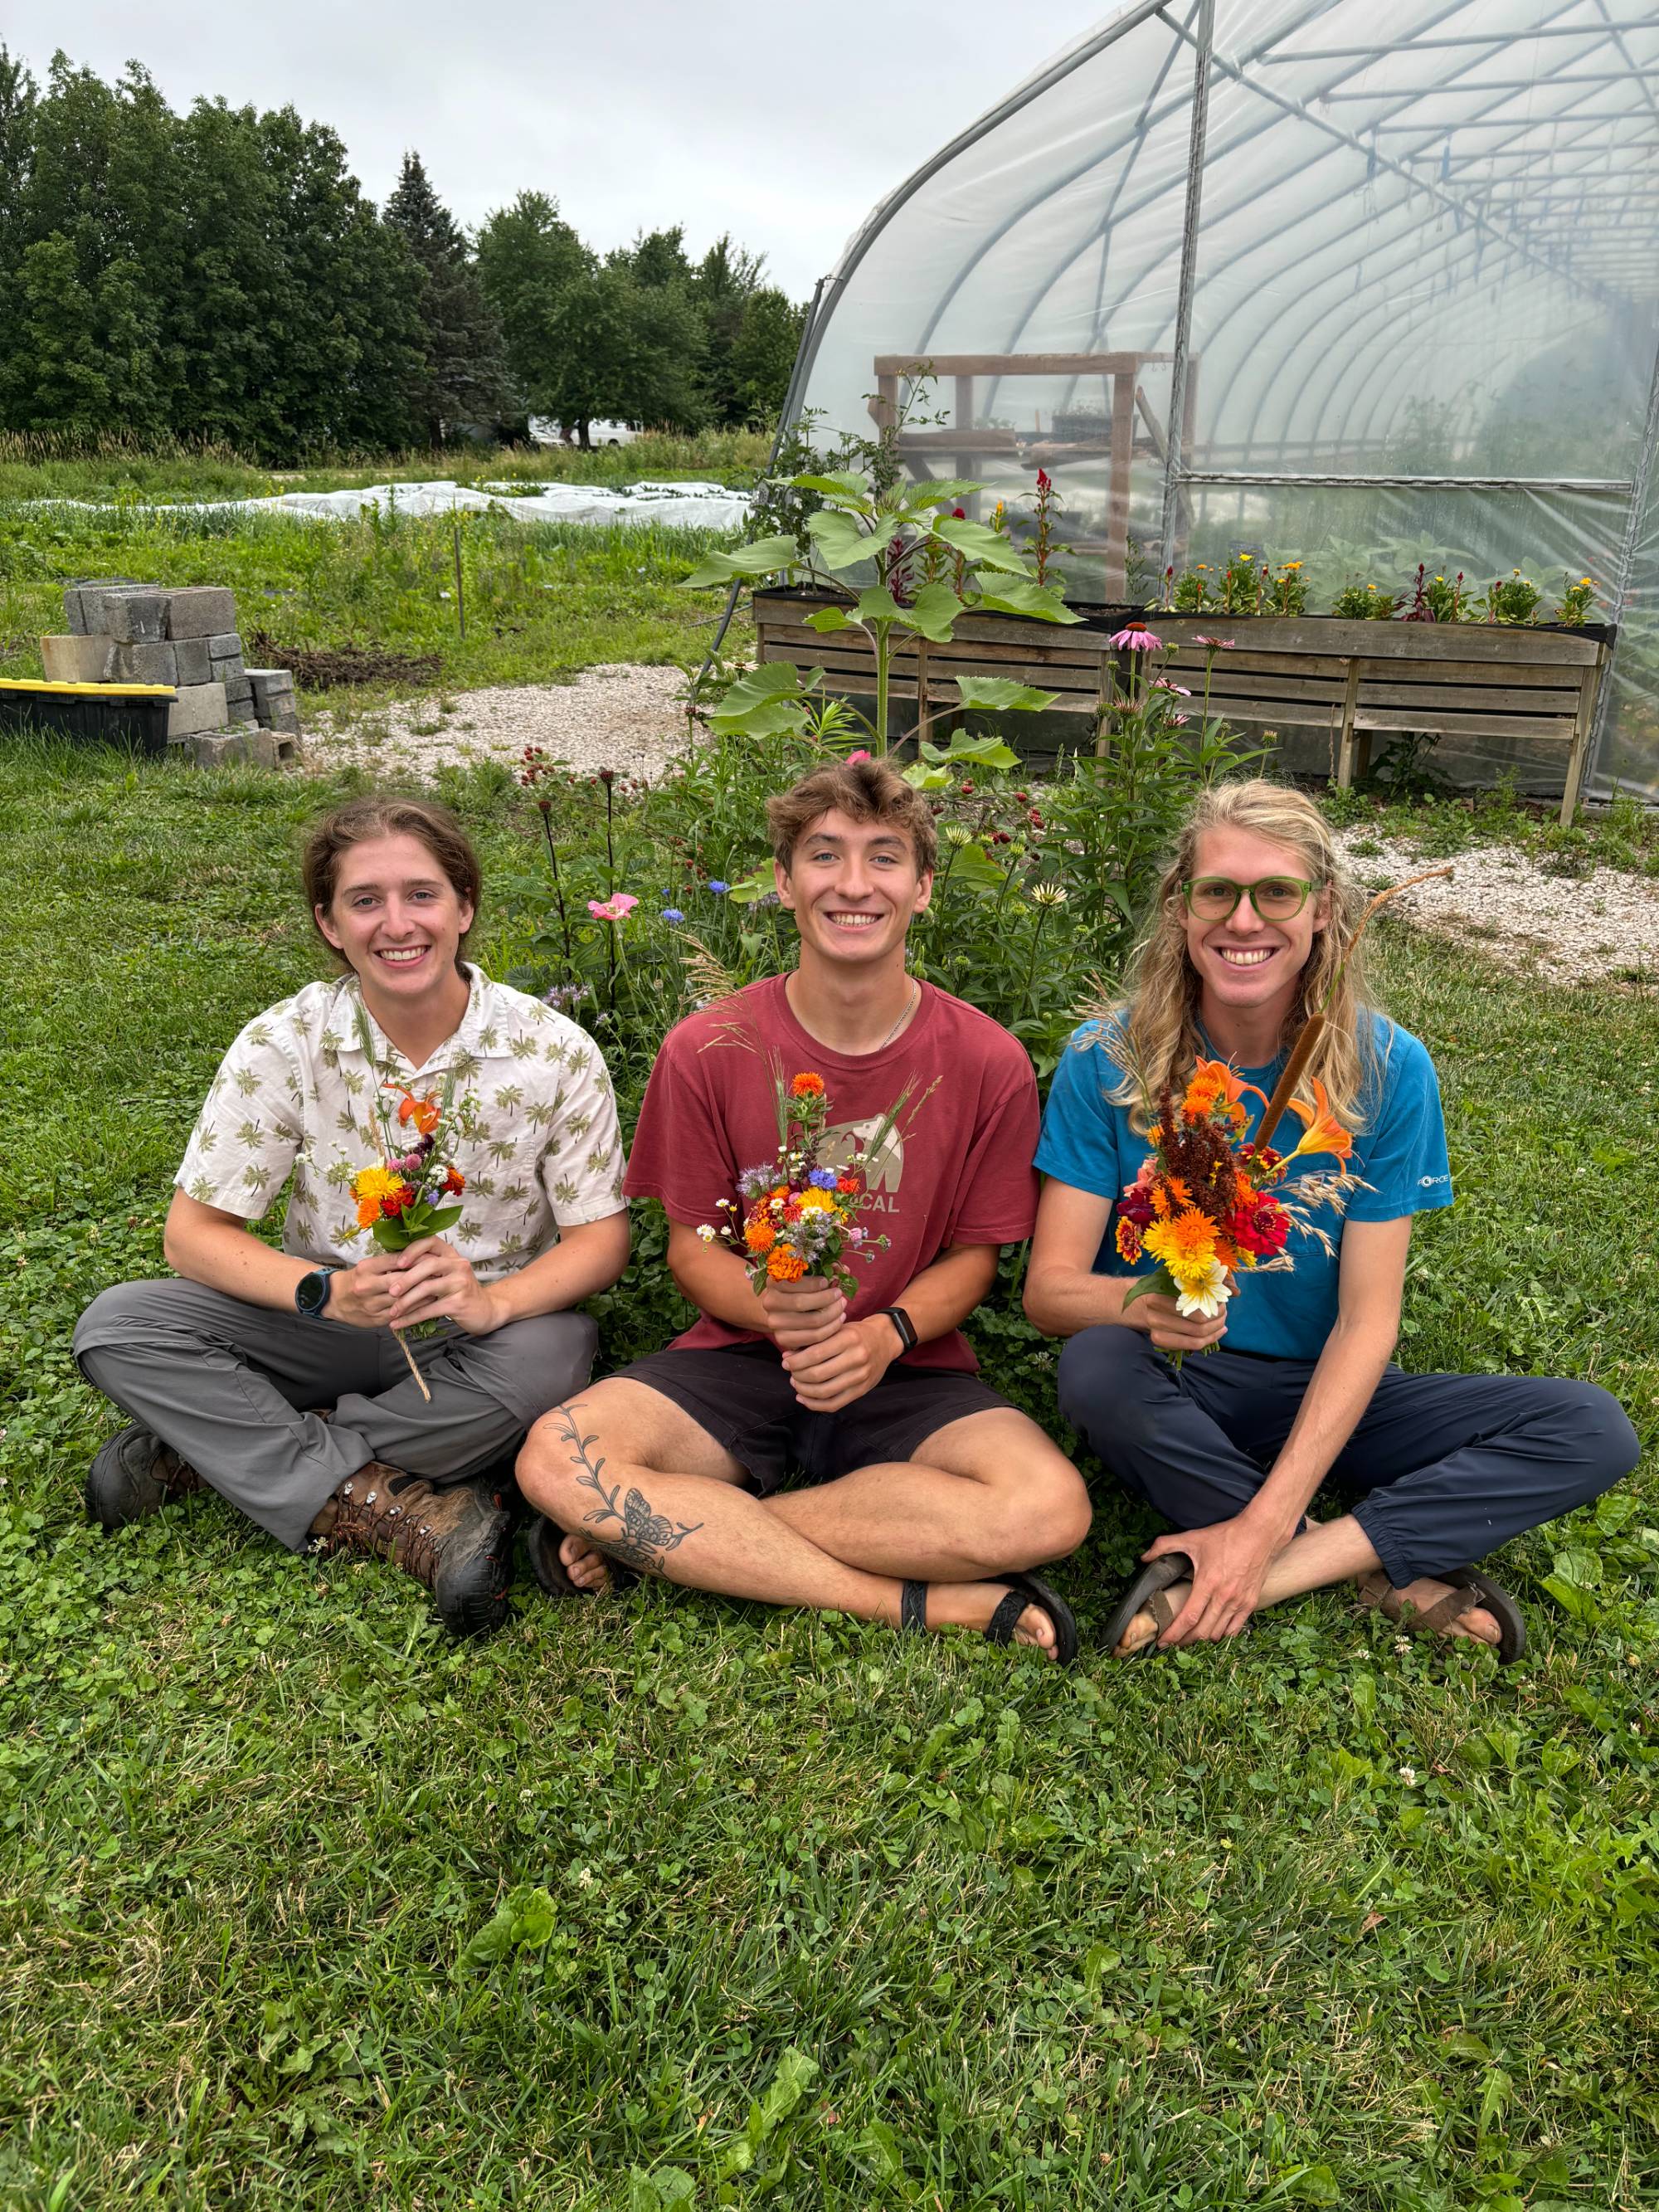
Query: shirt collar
x=464 y=1038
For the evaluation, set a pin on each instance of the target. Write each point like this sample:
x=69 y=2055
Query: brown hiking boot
x=455 y=1538
x=134 y=1475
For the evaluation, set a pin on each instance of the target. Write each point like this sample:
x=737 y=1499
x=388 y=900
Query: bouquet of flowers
x=1208 y=1204
x=800 y=1214
x=414 y=1191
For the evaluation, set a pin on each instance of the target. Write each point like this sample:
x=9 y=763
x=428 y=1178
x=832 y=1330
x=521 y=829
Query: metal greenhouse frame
x=1387 y=299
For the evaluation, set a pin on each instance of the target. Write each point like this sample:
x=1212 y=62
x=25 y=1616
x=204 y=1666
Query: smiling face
x=1249 y=968
x=397 y=918
x=852 y=887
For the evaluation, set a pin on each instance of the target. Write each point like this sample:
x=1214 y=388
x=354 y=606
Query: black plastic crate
x=133 y=714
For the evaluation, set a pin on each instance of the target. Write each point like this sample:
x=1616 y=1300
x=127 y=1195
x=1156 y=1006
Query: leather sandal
x=1145 y=1594
x=1470 y=1589
x=1024 y=1590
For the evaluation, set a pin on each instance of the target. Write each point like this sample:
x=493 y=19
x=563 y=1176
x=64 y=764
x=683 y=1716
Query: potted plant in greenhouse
x=931 y=567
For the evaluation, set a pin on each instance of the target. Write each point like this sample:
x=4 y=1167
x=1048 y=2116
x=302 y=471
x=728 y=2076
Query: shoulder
x=294 y=1025
x=975 y=1037
x=745 y=1017
x=1396 y=1063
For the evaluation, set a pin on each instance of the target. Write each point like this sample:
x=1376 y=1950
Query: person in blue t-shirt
x=1253 y=922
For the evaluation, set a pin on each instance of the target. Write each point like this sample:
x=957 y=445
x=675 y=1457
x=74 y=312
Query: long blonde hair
x=1159 y=1037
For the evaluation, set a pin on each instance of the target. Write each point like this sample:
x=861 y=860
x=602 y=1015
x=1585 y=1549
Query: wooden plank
x=1466 y=725
x=1472 y=698
x=1079 y=682
x=1549 y=675
x=1190 y=659
x=1015 y=364
x=1386 y=642
x=1331 y=688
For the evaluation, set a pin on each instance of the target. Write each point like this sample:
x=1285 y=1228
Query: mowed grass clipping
x=682 y=1901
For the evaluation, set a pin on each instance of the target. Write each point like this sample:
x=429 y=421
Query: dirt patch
x=321 y=667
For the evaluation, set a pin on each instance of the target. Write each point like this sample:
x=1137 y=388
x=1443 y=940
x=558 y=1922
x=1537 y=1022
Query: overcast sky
x=781 y=123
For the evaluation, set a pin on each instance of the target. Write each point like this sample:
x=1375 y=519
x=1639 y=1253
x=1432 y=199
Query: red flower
x=454 y=1182
x=394 y=1202
x=1260 y=1227
x=1045 y=482
x=959 y=513
x=849 y=1182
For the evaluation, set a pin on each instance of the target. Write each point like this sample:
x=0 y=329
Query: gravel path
x=628 y=718
x=1602 y=928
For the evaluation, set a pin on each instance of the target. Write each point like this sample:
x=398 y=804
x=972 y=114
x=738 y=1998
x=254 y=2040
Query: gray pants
x=231 y=1386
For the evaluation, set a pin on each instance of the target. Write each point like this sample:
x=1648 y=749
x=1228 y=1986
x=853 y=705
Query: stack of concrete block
x=123 y=632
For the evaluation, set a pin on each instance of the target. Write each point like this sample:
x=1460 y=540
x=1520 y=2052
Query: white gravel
x=1601 y=928
x=629 y=719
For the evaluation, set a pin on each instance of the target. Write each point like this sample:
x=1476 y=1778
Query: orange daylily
x=1213 y=1081
x=424 y=1113
x=1323 y=1133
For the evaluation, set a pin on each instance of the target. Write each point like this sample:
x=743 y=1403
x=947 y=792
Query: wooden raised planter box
x=1351 y=678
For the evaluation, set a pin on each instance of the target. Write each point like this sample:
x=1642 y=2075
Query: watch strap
x=906 y=1328
x=302 y=1305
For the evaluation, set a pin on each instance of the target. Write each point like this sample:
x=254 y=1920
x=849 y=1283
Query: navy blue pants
x=1452 y=1466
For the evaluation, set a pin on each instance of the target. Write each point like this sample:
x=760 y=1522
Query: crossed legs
x=630 y=1476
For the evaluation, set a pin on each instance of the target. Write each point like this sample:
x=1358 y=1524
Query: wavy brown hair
x=1158 y=1023
x=360 y=821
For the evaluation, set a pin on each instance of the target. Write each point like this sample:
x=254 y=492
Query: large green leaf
x=935 y=608
x=753 y=887
x=1019 y=595
x=972 y=752
x=985 y=547
x=766 y=702
x=878 y=605
x=764 y=558
x=1001 y=695
x=837 y=484
x=973 y=866
x=941 y=494
x=841 y=544
x=829 y=619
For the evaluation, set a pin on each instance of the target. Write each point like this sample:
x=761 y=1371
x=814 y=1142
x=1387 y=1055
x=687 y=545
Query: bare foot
x=1143 y=1628
x=1477 y=1623
x=970 y=1605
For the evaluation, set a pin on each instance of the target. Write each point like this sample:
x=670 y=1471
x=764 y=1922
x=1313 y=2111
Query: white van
x=545 y=432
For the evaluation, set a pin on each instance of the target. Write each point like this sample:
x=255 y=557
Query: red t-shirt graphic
x=958 y=1170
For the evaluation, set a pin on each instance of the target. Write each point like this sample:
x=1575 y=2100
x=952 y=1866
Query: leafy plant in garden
x=1364 y=603
x=1512 y=598
x=1577 y=602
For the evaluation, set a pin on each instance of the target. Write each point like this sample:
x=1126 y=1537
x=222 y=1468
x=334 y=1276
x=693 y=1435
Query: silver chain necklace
x=910 y=1006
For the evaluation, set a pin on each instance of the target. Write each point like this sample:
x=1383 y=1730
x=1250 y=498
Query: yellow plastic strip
x=91 y=691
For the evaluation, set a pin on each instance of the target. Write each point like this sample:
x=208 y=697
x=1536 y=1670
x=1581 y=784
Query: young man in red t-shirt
x=928 y=1497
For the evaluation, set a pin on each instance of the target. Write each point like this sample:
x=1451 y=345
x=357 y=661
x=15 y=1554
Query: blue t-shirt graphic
x=1399 y=1156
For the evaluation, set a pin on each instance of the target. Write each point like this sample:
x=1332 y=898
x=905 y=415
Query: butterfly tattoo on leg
x=645 y=1538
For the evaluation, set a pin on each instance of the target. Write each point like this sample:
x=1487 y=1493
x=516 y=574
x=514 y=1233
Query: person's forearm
x=586 y=1258
x=716 y=1281
x=1062 y=1302
x=225 y=1258
x=1343 y=1384
x=941 y=1297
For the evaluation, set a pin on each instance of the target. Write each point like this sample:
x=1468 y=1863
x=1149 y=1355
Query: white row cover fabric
x=1386 y=280
x=689 y=506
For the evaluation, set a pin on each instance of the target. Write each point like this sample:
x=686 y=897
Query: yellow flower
x=1186 y=1245
x=817 y=1201
x=375 y=1182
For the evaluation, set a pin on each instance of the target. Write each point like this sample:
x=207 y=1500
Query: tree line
x=221 y=276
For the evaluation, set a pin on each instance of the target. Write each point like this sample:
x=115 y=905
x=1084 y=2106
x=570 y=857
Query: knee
x=555 y=1353
x=1603 y=1438
x=1102 y=1383
x=1046 y=1518
x=115 y=1317
x=549 y=1463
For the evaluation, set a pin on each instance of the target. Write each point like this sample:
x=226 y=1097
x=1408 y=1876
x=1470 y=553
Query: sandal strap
x=999 y=1629
x=913 y=1606
x=1451 y=1607
x=1162 y=1611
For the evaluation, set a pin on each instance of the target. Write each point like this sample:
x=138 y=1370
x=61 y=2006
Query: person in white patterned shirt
x=273 y=1375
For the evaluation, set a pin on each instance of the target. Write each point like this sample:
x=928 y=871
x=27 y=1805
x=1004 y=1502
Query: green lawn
x=683 y=1901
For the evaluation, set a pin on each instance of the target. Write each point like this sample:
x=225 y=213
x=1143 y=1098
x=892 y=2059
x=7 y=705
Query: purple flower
x=1217 y=644
x=823 y=1178
x=1162 y=683
x=672 y=914
x=1136 y=640
x=717 y=887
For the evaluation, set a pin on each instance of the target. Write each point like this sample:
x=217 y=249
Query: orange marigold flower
x=758 y=1233
x=807 y=1086
x=1128 y=1240
x=784 y=1266
x=369 y=1213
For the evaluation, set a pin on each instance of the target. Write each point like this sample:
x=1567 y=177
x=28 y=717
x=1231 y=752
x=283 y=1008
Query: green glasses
x=1275 y=898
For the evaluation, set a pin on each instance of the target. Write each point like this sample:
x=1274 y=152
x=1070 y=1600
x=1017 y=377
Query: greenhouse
x=1367 y=298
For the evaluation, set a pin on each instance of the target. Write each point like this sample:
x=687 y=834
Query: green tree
x=763 y=353
x=542 y=284
x=463 y=374
x=725 y=280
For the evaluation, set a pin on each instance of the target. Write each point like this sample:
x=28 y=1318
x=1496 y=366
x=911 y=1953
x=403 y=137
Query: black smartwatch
x=906 y=1328
x=311 y=1293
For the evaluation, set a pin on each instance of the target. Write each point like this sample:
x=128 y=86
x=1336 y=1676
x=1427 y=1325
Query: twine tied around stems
x=1302 y=1051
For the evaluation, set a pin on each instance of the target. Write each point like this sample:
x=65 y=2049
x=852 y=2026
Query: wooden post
x=1344 y=754
x=1117 y=484
x=1183 y=495
x=1580 y=746
x=921 y=693
x=965 y=411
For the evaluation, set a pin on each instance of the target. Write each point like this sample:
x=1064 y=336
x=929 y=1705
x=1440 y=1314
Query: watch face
x=311 y=1293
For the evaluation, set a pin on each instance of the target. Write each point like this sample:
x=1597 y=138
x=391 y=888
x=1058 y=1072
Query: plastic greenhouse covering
x=1364 y=286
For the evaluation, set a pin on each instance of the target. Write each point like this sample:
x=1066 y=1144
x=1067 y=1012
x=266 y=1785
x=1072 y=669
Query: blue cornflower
x=716 y=886
x=823 y=1178
x=672 y=914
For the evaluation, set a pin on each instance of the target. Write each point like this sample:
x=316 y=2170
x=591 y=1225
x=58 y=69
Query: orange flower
x=758 y=1233
x=369 y=1213
x=423 y=1112
x=1323 y=1133
x=1213 y=1084
x=784 y=1266
x=807 y=1086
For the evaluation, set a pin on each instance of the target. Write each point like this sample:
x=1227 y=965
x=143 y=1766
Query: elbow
x=1034 y=1303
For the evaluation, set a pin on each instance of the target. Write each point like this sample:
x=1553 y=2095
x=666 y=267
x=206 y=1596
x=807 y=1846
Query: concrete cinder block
x=190 y=654
x=273 y=696
x=129 y=613
x=231 y=749
x=244 y=710
x=202 y=706
x=76 y=659
x=75 y=611
x=237 y=688
x=152 y=663
x=200 y=610
x=225 y=645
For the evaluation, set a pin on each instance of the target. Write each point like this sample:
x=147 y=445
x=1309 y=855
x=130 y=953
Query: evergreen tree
x=763 y=355
x=556 y=321
x=463 y=373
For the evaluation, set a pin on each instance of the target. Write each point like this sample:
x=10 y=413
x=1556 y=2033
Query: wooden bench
x=1350 y=678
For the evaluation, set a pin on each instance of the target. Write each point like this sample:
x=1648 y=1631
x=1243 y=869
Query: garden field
x=682 y=1902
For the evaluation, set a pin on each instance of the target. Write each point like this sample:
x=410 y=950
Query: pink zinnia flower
x=617 y=907
x=851 y=757
x=1136 y=640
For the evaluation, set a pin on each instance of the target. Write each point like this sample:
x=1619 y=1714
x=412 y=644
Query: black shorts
x=740 y=1394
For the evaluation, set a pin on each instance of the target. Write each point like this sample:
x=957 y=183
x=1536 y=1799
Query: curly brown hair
x=866 y=791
